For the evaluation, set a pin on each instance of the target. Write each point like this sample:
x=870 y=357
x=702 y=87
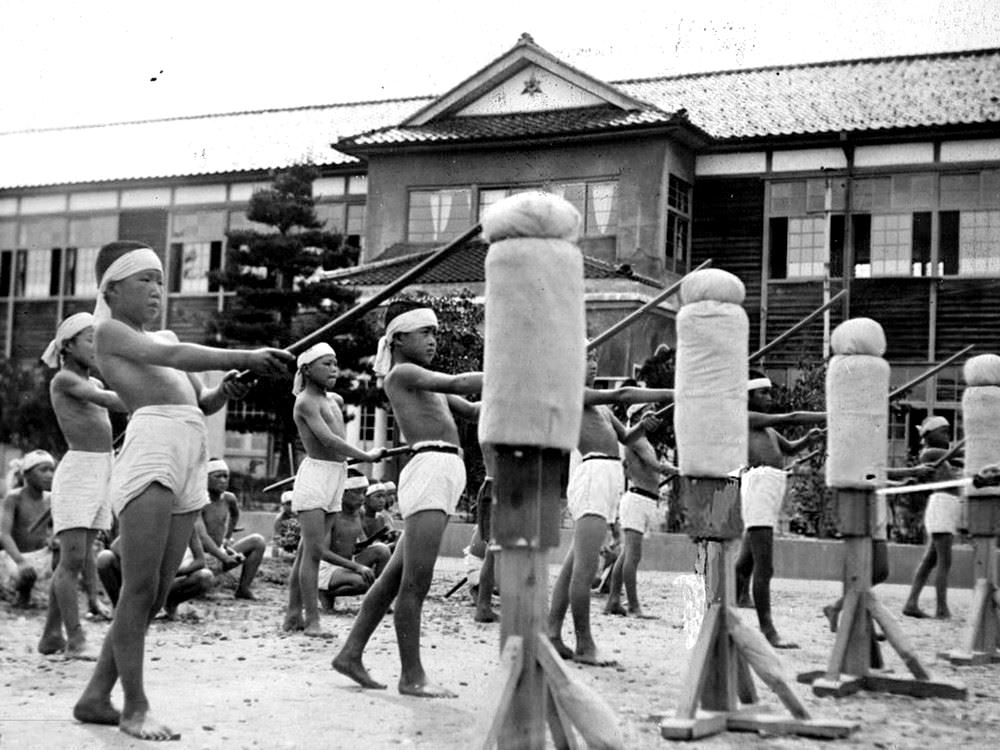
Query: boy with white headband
x=80 y=504
x=595 y=486
x=762 y=491
x=221 y=516
x=425 y=404
x=319 y=483
x=25 y=529
x=158 y=480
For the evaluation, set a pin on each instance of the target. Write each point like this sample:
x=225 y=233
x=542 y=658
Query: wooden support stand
x=981 y=642
x=850 y=667
x=726 y=651
x=533 y=688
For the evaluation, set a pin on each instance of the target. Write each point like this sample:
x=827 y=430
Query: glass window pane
x=439 y=215
x=602 y=209
x=357 y=184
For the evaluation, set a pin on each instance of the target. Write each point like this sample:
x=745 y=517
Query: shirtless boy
x=158 y=480
x=593 y=492
x=762 y=490
x=941 y=519
x=639 y=512
x=483 y=538
x=375 y=519
x=348 y=570
x=319 y=483
x=26 y=528
x=221 y=516
x=430 y=485
x=80 y=505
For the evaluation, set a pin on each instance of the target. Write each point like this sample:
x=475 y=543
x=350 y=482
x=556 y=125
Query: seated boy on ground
x=158 y=479
x=762 y=492
x=26 y=530
x=319 y=482
x=425 y=404
x=221 y=516
x=353 y=562
x=376 y=521
x=595 y=486
x=192 y=579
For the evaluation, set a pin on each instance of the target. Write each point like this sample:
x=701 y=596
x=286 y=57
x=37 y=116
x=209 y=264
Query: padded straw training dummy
x=710 y=416
x=534 y=359
x=857 y=405
x=981 y=417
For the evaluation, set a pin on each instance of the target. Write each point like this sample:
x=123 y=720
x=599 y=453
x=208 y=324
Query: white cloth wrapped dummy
x=534 y=360
x=857 y=406
x=710 y=416
x=981 y=415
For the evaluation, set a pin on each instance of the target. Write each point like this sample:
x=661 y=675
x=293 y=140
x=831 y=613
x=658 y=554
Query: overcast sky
x=65 y=63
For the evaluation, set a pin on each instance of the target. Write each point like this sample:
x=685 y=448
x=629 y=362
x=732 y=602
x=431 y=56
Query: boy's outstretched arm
x=309 y=412
x=417 y=378
x=789 y=447
x=464 y=409
x=210 y=400
x=760 y=420
x=628 y=396
x=84 y=389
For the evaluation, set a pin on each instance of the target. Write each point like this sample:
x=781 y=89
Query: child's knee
x=106 y=560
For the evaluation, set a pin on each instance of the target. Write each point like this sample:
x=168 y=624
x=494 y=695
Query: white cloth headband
x=131 y=262
x=66 y=331
x=217 y=464
x=33 y=459
x=358 y=482
x=373 y=488
x=757 y=383
x=411 y=320
x=311 y=354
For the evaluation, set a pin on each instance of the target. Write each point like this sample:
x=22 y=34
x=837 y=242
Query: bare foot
x=96 y=712
x=424 y=690
x=292 y=623
x=832 y=614
x=775 y=640
x=76 y=648
x=561 y=648
x=354 y=669
x=315 y=630
x=744 y=602
x=914 y=612
x=591 y=659
x=637 y=613
x=942 y=614
x=244 y=594
x=51 y=644
x=97 y=611
x=144 y=727
x=486 y=615
x=614 y=608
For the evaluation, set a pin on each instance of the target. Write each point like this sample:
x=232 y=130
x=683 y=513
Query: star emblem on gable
x=532 y=86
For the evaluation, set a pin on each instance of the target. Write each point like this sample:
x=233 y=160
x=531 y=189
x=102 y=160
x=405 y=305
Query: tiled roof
x=213 y=144
x=464 y=267
x=521 y=125
x=953 y=88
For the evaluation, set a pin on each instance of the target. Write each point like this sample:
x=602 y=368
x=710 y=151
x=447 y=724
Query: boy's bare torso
x=333 y=417
x=764 y=448
x=345 y=532
x=28 y=532
x=638 y=472
x=136 y=383
x=421 y=415
x=216 y=516
x=85 y=425
x=597 y=433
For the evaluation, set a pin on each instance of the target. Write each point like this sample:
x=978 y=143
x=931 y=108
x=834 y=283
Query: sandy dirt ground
x=224 y=677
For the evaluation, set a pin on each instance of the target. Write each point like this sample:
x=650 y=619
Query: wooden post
x=850 y=666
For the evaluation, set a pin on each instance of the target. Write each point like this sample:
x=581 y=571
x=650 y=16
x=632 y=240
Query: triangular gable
x=526 y=78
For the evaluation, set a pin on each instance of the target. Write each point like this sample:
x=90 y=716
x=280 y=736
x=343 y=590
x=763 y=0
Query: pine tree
x=278 y=298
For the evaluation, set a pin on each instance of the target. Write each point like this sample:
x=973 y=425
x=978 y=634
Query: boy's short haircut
x=397 y=307
x=112 y=251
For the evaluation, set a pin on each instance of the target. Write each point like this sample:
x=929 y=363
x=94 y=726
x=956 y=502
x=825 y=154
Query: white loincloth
x=595 y=487
x=80 y=492
x=639 y=513
x=431 y=480
x=762 y=492
x=941 y=514
x=39 y=559
x=319 y=485
x=324 y=574
x=164 y=444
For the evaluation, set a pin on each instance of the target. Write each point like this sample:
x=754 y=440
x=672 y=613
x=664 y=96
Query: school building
x=879 y=176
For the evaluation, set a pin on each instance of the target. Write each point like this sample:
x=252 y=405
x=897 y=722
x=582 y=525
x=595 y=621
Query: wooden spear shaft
x=799 y=326
x=636 y=314
x=929 y=373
